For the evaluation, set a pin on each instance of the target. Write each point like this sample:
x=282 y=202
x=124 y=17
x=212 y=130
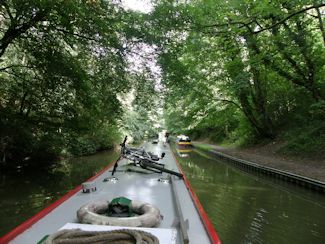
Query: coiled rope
x=123 y=236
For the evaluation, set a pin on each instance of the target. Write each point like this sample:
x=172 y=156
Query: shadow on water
x=26 y=191
x=247 y=208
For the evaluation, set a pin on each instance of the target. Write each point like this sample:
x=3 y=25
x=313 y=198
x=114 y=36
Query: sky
x=143 y=54
x=144 y=6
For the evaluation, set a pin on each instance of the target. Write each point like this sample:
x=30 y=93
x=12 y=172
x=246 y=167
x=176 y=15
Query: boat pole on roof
x=149 y=164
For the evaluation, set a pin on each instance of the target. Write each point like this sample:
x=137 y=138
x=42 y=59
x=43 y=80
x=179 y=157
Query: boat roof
x=135 y=185
x=183 y=137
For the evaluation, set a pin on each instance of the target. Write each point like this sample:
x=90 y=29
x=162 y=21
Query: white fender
x=149 y=216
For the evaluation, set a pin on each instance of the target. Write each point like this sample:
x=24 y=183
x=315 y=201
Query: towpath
x=267 y=156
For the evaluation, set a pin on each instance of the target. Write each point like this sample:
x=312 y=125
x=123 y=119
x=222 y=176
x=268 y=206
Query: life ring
x=149 y=216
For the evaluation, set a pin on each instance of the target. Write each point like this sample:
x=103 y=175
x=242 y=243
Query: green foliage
x=63 y=65
x=242 y=135
x=230 y=70
x=307 y=140
x=93 y=141
x=139 y=123
x=82 y=146
x=240 y=71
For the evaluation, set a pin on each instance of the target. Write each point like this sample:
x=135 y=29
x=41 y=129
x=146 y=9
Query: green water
x=247 y=209
x=25 y=191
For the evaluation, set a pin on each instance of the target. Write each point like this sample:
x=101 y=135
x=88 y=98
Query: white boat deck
x=135 y=186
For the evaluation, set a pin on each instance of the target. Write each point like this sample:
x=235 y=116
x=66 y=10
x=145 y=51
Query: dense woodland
x=77 y=75
x=246 y=71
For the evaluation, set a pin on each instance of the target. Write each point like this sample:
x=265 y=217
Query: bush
x=306 y=141
x=95 y=140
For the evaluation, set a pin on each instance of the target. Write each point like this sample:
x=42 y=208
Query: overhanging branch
x=290 y=16
x=230 y=102
x=242 y=24
x=15 y=65
x=77 y=35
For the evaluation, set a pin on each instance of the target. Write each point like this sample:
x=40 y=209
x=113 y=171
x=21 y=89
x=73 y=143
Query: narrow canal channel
x=26 y=191
x=242 y=207
x=247 y=209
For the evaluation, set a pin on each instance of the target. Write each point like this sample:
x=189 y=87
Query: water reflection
x=184 y=153
x=247 y=209
x=26 y=192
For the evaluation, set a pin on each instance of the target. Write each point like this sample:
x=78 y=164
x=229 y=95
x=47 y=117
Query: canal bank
x=266 y=157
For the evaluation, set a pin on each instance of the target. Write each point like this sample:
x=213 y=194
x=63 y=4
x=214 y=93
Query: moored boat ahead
x=143 y=195
x=183 y=145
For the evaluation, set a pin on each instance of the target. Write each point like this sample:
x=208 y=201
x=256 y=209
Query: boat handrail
x=183 y=224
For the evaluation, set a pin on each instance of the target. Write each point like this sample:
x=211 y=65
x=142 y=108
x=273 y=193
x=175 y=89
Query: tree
x=62 y=66
x=242 y=54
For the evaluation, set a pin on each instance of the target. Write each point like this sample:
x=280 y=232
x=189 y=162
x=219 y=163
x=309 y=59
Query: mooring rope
x=123 y=236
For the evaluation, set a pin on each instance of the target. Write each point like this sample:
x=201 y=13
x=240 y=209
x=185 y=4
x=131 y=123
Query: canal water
x=243 y=208
x=26 y=191
x=249 y=209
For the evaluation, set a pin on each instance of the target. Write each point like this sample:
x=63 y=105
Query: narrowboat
x=144 y=195
x=184 y=145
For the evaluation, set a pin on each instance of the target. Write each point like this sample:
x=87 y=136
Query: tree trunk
x=14 y=31
x=259 y=96
x=321 y=24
